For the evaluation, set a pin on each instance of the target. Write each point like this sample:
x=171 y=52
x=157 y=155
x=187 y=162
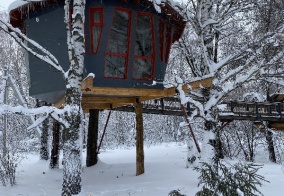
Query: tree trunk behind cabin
x=269 y=140
x=92 y=139
x=139 y=139
x=218 y=146
x=44 y=140
x=54 y=159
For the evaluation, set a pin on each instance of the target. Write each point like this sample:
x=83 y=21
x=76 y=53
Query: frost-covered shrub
x=175 y=193
x=236 y=180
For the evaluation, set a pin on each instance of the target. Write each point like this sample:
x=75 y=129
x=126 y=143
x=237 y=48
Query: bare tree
x=71 y=116
x=221 y=45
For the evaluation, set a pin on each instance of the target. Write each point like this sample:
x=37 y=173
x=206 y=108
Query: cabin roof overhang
x=18 y=13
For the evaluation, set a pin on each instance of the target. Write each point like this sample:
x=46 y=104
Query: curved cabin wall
x=127 y=46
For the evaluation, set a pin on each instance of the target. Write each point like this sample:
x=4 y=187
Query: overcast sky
x=5 y=3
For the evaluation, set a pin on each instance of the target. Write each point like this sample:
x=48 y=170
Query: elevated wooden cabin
x=127 y=48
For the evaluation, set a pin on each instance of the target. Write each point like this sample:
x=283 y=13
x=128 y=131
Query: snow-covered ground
x=114 y=175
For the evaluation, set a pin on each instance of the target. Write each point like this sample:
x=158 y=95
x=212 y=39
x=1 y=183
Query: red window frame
x=126 y=55
x=96 y=24
x=152 y=57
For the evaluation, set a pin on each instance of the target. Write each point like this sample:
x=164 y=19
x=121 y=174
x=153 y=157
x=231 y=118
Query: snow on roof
x=16 y=4
x=19 y=8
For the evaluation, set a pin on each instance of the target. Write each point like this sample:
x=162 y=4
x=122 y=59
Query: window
x=165 y=39
x=116 y=58
x=144 y=47
x=96 y=27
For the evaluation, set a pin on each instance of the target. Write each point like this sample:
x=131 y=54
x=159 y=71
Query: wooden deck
x=123 y=98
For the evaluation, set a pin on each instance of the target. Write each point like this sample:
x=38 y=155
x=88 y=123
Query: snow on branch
x=230 y=86
x=18 y=36
x=45 y=110
x=184 y=99
x=38 y=122
x=2 y=90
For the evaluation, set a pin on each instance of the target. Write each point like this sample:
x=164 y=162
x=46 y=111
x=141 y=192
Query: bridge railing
x=257 y=110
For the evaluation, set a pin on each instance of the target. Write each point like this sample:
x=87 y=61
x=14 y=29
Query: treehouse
x=127 y=47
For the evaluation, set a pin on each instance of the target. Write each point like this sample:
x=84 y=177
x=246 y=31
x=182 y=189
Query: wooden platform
x=111 y=98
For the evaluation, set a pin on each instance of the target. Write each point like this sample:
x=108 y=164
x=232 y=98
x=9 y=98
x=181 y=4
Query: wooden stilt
x=139 y=139
x=55 y=145
x=93 y=128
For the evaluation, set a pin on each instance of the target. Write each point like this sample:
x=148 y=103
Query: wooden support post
x=139 y=139
x=93 y=128
x=55 y=145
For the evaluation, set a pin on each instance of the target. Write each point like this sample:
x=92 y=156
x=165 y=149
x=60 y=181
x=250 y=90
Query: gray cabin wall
x=47 y=27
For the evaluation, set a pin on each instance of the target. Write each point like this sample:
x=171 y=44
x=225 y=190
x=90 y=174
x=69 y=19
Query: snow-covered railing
x=263 y=111
x=164 y=106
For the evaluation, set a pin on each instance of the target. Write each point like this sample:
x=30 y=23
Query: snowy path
x=115 y=175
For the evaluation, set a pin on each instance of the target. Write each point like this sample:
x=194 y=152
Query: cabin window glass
x=118 y=44
x=143 y=54
x=96 y=25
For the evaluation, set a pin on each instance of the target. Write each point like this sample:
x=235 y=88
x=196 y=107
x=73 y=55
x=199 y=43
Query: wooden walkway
x=254 y=111
x=164 y=106
x=273 y=113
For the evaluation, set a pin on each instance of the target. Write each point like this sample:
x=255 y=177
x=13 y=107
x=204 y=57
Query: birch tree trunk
x=44 y=140
x=72 y=135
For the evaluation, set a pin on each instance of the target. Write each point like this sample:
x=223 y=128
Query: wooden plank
x=87 y=83
x=278 y=126
x=60 y=103
x=195 y=85
x=126 y=92
x=146 y=94
x=113 y=100
x=101 y=106
x=110 y=97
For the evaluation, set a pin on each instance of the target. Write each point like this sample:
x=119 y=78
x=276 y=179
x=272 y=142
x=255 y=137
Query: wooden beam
x=125 y=92
x=110 y=97
x=60 y=103
x=87 y=83
x=139 y=139
x=278 y=126
x=114 y=100
x=145 y=93
x=195 y=85
x=100 y=106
